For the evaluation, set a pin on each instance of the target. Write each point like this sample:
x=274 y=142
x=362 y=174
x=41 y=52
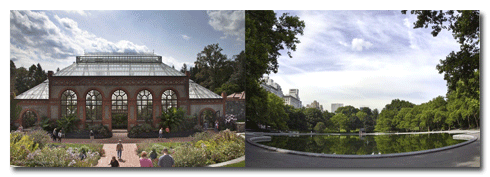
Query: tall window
x=119 y=102
x=144 y=103
x=68 y=103
x=169 y=100
x=93 y=105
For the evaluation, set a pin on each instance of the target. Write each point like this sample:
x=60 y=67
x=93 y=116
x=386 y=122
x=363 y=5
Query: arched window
x=169 y=100
x=68 y=103
x=93 y=105
x=29 y=119
x=119 y=102
x=144 y=104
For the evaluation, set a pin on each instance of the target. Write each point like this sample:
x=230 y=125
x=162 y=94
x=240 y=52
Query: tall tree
x=265 y=36
x=184 y=68
x=461 y=65
x=214 y=67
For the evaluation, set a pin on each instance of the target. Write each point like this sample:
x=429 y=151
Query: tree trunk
x=468 y=122
x=476 y=121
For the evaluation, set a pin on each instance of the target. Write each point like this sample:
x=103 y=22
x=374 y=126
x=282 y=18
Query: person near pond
x=60 y=135
x=153 y=155
x=216 y=124
x=119 y=149
x=55 y=134
x=145 y=162
x=168 y=131
x=114 y=162
x=166 y=160
x=160 y=134
x=91 y=136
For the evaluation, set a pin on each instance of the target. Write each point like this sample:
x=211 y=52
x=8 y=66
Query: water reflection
x=362 y=145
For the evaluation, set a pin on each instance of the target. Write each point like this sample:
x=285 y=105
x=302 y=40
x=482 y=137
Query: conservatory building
x=100 y=88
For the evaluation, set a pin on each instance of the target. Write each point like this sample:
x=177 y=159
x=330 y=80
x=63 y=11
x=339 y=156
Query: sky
x=54 y=38
x=364 y=59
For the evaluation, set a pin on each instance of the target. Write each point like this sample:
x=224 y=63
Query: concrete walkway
x=129 y=156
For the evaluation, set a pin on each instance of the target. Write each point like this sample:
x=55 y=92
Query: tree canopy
x=265 y=37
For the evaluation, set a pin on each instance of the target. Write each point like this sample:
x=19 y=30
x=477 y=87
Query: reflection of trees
x=384 y=144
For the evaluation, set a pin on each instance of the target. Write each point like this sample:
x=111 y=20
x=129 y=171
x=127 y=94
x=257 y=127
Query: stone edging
x=254 y=141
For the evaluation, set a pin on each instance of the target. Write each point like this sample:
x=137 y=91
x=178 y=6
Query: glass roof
x=119 y=69
x=40 y=92
x=197 y=91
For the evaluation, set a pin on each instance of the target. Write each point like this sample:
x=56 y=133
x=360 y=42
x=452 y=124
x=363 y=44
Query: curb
x=254 y=140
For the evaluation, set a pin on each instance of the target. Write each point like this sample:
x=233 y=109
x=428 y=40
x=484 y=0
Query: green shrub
x=141 y=128
x=201 y=136
x=99 y=129
x=189 y=156
x=319 y=127
x=68 y=123
x=40 y=137
x=21 y=148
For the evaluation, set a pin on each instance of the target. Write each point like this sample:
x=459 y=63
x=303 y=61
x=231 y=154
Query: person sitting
x=145 y=162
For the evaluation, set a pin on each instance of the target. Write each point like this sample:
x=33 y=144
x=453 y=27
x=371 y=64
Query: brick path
x=129 y=156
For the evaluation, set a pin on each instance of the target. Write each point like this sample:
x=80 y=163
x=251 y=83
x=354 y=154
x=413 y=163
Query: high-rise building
x=316 y=105
x=270 y=86
x=335 y=106
x=293 y=98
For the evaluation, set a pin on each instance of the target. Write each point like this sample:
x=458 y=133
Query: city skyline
x=364 y=58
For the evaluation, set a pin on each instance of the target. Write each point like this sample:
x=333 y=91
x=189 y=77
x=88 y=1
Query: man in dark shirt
x=166 y=160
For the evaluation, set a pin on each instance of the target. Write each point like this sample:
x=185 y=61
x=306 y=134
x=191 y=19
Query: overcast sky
x=54 y=38
x=364 y=58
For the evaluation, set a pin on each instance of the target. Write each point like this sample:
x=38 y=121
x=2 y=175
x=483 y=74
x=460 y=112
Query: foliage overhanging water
x=365 y=145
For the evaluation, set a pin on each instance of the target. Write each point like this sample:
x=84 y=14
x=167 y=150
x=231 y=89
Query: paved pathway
x=129 y=156
x=464 y=156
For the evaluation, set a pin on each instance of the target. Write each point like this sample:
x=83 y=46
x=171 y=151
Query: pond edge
x=262 y=138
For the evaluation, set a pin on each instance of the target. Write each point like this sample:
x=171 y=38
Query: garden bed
x=154 y=134
x=204 y=149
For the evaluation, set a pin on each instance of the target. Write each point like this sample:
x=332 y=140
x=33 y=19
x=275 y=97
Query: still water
x=365 y=145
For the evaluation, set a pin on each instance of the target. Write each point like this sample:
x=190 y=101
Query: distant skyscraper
x=316 y=105
x=335 y=106
x=293 y=98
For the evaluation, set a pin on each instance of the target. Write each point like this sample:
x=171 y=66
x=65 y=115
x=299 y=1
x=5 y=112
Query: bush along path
x=129 y=156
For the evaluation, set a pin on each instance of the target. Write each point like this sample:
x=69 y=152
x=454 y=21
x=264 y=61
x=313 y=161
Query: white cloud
x=400 y=63
x=34 y=37
x=406 y=22
x=79 y=12
x=360 y=44
x=231 y=23
x=186 y=37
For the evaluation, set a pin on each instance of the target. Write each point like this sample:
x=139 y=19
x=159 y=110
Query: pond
x=365 y=145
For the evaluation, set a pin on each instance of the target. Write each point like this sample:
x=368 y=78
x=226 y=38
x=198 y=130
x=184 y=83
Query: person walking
x=145 y=162
x=91 y=136
x=119 y=149
x=167 y=130
x=60 y=135
x=114 y=162
x=160 y=134
x=153 y=155
x=55 y=135
x=216 y=124
x=166 y=160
